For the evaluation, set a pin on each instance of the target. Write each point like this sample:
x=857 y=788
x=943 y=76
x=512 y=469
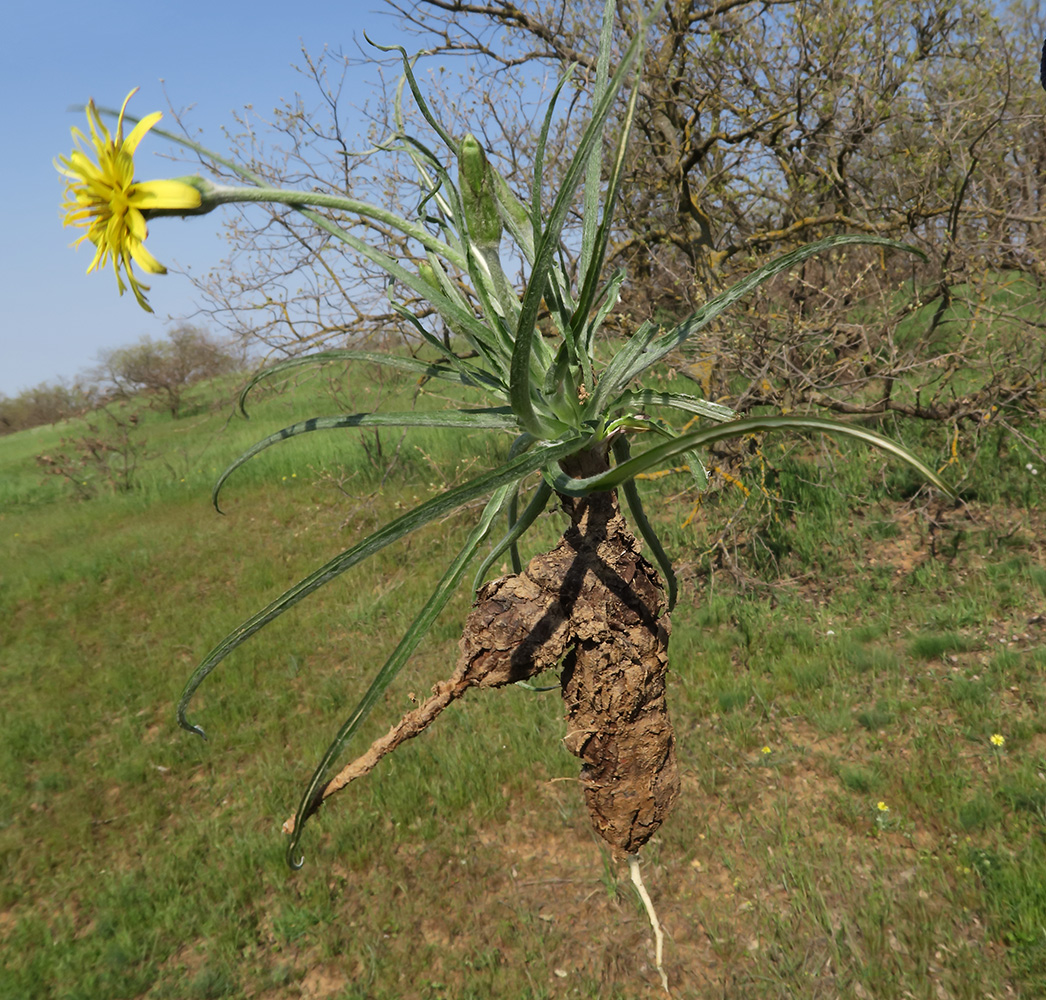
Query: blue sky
x=55 y=318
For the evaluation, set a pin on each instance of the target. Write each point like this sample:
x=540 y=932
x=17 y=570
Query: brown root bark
x=614 y=684
x=597 y=600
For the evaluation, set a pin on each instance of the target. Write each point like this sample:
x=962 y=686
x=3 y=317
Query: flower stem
x=222 y=194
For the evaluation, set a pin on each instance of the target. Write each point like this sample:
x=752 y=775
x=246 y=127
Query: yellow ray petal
x=102 y=197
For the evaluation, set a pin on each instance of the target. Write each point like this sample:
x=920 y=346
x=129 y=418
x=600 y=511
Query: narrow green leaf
x=521 y=444
x=593 y=175
x=557 y=371
x=425 y=369
x=714 y=307
x=424 y=621
x=658 y=426
x=538 y=502
x=496 y=341
x=408 y=72
x=510 y=472
x=441 y=190
x=661 y=453
x=642 y=398
x=645 y=528
x=516 y=217
x=452 y=360
x=468 y=374
x=537 y=196
x=499 y=302
x=492 y=418
x=615 y=375
x=607 y=299
x=593 y=270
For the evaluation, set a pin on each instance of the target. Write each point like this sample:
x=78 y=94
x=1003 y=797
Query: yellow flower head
x=998 y=740
x=105 y=199
x=882 y=807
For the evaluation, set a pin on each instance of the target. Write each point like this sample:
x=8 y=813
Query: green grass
x=871 y=659
x=182 y=458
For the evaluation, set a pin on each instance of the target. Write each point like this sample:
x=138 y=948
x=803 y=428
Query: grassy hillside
x=847 y=826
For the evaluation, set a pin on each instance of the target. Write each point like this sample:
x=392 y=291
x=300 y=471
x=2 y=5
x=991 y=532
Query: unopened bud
x=478 y=194
x=427 y=273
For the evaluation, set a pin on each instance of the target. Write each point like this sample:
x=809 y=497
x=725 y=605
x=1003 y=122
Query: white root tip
x=659 y=937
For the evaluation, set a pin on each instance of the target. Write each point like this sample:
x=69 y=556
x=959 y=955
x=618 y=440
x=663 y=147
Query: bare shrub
x=46 y=403
x=104 y=457
x=759 y=127
x=165 y=369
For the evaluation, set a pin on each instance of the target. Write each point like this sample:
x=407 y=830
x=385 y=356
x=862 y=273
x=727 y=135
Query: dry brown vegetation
x=759 y=127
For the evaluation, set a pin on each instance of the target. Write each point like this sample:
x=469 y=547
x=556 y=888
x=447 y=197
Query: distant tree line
x=159 y=369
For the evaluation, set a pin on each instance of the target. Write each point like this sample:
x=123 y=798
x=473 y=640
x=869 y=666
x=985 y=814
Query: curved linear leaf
x=676 y=401
x=440 y=190
x=606 y=300
x=615 y=375
x=592 y=269
x=594 y=169
x=710 y=310
x=495 y=418
x=658 y=426
x=498 y=303
x=454 y=316
x=520 y=385
x=426 y=617
x=452 y=360
x=660 y=453
x=521 y=444
x=512 y=471
x=536 y=197
x=515 y=216
x=426 y=369
x=538 y=502
x=513 y=549
x=646 y=529
x=408 y=72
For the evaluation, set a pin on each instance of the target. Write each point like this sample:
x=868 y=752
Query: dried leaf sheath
x=516 y=629
x=595 y=596
x=614 y=684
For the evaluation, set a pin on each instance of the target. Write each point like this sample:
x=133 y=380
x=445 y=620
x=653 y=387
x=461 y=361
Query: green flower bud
x=478 y=194
x=427 y=273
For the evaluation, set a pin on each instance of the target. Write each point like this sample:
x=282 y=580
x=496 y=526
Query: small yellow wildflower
x=766 y=750
x=105 y=199
x=882 y=807
x=997 y=740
